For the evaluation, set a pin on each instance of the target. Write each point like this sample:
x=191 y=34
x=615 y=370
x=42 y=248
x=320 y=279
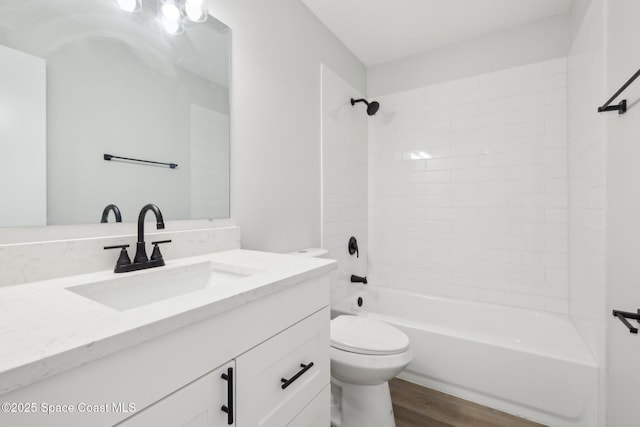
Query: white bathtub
x=528 y=363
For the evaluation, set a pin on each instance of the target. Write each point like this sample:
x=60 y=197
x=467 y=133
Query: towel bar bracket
x=621 y=108
x=624 y=315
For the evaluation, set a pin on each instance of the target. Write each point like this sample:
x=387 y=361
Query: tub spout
x=358 y=279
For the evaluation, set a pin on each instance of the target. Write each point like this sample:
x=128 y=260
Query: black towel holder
x=624 y=315
x=621 y=107
x=111 y=156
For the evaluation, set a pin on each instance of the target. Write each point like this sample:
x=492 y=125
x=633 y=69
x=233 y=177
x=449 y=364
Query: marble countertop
x=46 y=329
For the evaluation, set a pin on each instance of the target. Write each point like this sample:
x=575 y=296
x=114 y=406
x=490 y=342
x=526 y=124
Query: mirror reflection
x=81 y=79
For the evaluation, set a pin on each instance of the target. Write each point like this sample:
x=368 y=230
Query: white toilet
x=365 y=355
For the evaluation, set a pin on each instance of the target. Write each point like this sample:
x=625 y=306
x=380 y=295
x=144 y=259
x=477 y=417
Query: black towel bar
x=622 y=106
x=111 y=156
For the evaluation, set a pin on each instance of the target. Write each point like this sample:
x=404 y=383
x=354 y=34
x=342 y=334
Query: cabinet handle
x=288 y=382
x=228 y=408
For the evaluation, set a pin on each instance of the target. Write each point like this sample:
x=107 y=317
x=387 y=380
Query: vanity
x=218 y=336
x=235 y=337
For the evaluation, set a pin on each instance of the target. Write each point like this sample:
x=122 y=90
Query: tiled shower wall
x=468 y=188
x=344 y=180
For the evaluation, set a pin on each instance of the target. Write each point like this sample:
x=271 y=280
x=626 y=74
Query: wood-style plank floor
x=416 y=406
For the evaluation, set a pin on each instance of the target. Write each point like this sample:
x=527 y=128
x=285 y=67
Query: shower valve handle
x=353 y=247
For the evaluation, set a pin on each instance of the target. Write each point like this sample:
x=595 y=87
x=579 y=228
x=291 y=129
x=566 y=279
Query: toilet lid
x=362 y=335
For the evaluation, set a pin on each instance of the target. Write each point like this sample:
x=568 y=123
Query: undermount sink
x=132 y=291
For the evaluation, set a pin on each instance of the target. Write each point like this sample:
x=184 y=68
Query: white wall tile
x=344 y=179
x=484 y=214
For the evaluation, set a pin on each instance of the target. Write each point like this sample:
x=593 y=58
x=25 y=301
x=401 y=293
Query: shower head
x=372 y=107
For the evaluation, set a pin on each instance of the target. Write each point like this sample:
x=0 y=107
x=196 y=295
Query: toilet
x=365 y=355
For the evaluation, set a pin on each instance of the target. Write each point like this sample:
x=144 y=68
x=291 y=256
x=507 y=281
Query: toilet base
x=361 y=405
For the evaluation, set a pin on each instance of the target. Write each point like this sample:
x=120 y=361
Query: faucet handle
x=123 y=259
x=159 y=242
x=116 y=247
x=156 y=255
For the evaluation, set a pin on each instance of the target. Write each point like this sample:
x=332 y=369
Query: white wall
x=539 y=41
x=23 y=147
x=100 y=115
x=468 y=188
x=623 y=225
x=605 y=206
x=587 y=180
x=344 y=180
x=209 y=148
x=277 y=50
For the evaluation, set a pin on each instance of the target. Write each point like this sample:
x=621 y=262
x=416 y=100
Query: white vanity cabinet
x=175 y=379
x=256 y=395
x=316 y=413
x=279 y=378
x=198 y=404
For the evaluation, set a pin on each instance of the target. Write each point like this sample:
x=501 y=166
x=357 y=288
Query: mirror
x=85 y=78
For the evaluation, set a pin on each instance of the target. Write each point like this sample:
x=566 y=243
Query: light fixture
x=130 y=5
x=172 y=27
x=171 y=17
x=172 y=13
x=196 y=10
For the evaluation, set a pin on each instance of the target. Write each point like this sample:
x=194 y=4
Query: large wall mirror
x=83 y=78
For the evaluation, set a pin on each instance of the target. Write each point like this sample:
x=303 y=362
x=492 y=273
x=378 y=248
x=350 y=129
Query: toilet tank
x=312 y=252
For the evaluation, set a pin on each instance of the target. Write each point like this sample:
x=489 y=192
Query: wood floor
x=416 y=406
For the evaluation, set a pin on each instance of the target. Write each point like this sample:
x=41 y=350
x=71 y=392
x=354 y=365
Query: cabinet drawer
x=317 y=413
x=263 y=397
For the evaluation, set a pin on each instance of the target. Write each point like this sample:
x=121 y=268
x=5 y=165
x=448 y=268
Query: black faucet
x=141 y=252
x=358 y=279
x=141 y=261
x=116 y=212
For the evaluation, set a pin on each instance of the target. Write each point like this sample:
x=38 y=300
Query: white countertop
x=46 y=329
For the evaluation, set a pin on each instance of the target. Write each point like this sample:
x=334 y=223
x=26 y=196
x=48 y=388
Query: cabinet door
x=198 y=404
x=281 y=376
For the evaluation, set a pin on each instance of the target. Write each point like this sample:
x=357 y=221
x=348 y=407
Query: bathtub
x=524 y=362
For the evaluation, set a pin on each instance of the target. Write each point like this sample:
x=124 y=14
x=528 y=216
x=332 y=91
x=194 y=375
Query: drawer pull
x=304 y=369
x=228 y=408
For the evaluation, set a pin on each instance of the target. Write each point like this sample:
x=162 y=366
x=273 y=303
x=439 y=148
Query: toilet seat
x=362 y=335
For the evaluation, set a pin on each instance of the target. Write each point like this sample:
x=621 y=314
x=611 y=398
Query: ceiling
x=378 y=31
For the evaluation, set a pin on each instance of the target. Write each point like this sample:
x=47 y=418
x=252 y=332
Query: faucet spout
x=141 y=253
x=358 y=279
x=116 y=213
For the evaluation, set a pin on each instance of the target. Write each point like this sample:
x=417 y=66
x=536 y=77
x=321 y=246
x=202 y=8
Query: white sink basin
x=124 y=292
